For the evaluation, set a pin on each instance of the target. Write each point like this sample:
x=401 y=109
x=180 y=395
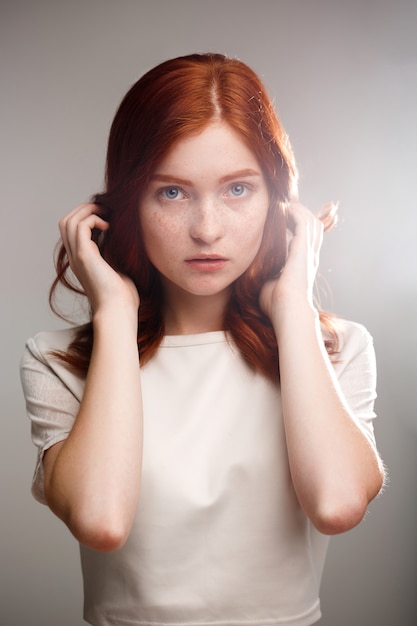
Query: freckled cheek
x=161 y=234
x=248 y=235
x=254 y=244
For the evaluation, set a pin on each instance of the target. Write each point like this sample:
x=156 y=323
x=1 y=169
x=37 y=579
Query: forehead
x=217 y=146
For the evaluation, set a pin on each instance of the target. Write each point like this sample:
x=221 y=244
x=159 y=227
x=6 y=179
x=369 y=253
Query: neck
x=188 y=314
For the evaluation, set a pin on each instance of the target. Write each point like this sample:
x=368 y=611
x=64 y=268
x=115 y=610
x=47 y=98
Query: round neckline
x=197 y=339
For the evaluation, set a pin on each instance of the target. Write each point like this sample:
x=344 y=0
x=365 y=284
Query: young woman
x=203 y=478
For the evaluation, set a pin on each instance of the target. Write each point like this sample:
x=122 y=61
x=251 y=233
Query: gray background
x=343 y=76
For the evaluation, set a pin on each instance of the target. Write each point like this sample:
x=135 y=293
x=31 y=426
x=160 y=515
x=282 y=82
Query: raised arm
x=335 y=469
x=92 y=479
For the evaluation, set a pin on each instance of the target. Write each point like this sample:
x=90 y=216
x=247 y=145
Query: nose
x=207 y=224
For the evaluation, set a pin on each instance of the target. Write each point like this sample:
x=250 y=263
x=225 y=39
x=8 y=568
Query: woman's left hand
x=296 y=281
x=334 y=468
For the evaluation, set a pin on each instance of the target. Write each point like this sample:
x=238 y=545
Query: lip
x=207 y=262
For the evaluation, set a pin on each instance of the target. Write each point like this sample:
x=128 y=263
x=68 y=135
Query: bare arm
x=335 y=469
x=92 y=479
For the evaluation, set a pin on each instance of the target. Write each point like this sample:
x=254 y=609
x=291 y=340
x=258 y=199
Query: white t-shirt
x=219 y=537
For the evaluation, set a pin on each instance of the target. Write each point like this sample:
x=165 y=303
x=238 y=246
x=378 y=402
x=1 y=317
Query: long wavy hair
x=178 y=98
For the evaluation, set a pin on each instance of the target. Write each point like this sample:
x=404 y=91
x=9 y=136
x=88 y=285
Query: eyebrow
x=246 y=173
x=168 y=178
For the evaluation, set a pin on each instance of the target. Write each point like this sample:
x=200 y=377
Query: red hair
x=173 y=100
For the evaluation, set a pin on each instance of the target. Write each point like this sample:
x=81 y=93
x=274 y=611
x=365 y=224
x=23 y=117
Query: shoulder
x=353 y=338
x=352 y=335
x=40 y=357
x=356 y=347
x=47 y=342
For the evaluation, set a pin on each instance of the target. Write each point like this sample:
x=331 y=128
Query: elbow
x=104 y=533
x=98 y=529
x=98 y=520
x=339 y=512
x=338 y=515
x=102 y=525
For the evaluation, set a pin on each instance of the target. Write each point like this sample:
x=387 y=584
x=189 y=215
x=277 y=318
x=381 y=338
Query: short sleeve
x=355 y=368
x=51 y=408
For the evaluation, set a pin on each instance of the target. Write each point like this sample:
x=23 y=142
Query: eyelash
x=244 y=188
x=165 y=190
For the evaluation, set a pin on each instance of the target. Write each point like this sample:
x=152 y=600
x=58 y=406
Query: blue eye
x=238 y=189
x=171 y=193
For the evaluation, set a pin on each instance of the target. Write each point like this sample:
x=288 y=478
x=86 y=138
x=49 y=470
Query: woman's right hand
x=103 y=286
x=92 y=479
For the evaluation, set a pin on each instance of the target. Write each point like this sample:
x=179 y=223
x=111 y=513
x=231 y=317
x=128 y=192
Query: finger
x=79 y=234
x=80 y=210
x=309 y=234
x=301 y=221
x=76 y=230
x=328 y=215
x=298 y=215
x=318 y=241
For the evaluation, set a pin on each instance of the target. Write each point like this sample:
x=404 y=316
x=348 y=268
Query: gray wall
x=343 y=75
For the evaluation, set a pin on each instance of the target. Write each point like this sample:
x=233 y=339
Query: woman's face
x=203 y=213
